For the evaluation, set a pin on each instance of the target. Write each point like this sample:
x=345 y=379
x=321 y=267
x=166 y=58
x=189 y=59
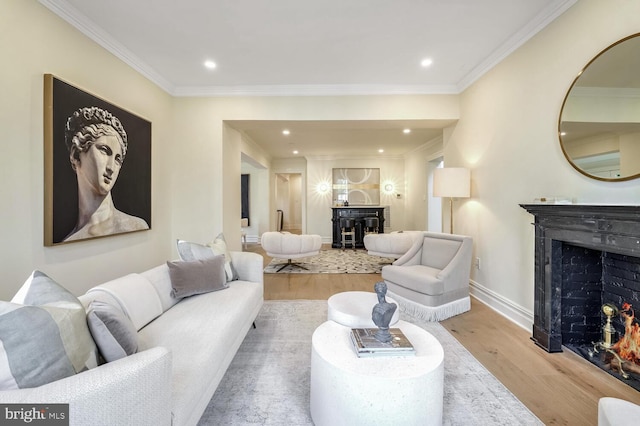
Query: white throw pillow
x=219 y=246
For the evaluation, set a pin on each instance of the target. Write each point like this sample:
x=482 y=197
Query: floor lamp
x=452 y=182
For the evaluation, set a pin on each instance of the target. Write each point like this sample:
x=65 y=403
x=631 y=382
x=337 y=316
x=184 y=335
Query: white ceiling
x=328 y=47
x=344 y=139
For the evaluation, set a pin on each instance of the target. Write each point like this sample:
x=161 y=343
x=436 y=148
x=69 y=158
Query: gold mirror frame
x=594 y=93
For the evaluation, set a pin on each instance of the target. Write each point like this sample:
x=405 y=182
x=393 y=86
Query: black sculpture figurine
x=382 y=313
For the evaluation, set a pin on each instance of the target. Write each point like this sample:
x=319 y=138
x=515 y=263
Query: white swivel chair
x=431 y=280
x=284 y=245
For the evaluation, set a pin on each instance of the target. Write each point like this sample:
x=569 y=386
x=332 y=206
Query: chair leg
x=289 y=263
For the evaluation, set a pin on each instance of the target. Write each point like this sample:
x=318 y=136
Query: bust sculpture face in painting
x=97 y=144
x=382 y=313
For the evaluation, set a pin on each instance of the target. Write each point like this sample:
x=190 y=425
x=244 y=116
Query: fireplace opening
x=600 y=292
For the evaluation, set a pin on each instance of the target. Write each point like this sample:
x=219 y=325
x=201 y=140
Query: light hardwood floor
x=560 y=388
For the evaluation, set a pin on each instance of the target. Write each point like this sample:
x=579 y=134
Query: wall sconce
x=390 y=189
x=452 y=182
x=323 y=188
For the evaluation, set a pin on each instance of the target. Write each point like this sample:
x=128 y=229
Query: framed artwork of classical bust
x=97 y=166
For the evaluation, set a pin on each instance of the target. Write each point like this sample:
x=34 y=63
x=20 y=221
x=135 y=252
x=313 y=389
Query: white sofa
x=185 y=348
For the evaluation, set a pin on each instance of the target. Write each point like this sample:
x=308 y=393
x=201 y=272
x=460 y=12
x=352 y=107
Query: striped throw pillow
x=44 y=335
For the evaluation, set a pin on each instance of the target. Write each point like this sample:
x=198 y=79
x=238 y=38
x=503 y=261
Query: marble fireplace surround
x=608 y=228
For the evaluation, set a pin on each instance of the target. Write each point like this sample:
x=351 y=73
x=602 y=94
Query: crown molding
x=532 y=28
x=313 y=90
x=87 y=27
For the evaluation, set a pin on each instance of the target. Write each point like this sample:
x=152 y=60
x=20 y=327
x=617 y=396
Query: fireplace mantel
x=609 y=228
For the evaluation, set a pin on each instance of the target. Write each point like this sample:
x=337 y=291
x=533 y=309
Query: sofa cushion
x=197 y=276
x=438 y=252
x=44 y=335
x=419 y=278
x=113 y=332
x=134 y=295
x=216 y=324
x=160 y=279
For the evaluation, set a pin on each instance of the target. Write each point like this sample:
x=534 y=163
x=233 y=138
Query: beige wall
x=35 y=42
x=507 y=135
x=416 y=196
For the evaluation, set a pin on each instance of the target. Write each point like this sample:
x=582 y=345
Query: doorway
x=288 y=196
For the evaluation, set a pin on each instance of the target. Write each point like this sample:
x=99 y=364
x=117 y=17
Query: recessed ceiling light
x=295 y=151
x=381 y=150
x=563 y=133
x=286 y=132
x=426 y=62
x=209 y=64
x=406 y=131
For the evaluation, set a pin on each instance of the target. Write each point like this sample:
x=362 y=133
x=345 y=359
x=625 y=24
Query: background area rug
x=268 y=381
x=332 y=261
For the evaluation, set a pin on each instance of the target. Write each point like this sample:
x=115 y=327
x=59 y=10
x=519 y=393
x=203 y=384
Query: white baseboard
x=503 y=306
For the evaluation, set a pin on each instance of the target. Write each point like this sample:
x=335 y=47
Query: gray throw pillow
x=192 y=251
x=114 y=333
x=44 y=335
x=197 y=276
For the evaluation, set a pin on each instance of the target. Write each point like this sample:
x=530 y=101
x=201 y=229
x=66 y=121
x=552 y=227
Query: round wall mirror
x=599 y=124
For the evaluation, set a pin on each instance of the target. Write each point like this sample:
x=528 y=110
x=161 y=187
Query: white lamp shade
x=454 y=182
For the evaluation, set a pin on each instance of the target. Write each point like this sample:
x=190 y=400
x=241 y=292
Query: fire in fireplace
x=598 y=322
x=622 y=357
x=587 y=284
x=628 y=347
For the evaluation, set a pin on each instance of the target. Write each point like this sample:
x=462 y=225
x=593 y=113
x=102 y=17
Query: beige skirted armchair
x=431 y=280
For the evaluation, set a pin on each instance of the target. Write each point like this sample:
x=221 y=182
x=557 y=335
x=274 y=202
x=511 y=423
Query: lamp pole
x=451 y=215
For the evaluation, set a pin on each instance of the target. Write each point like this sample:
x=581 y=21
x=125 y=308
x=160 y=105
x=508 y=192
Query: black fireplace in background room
x=587 y=271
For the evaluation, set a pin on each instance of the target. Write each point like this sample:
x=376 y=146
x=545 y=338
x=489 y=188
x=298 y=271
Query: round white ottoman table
x=386 y=390
x=353 y=309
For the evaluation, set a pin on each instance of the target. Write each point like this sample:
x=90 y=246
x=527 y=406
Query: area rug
x=268 y=381
x=332 y=261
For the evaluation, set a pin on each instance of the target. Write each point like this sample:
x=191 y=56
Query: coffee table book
x=366 y=345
